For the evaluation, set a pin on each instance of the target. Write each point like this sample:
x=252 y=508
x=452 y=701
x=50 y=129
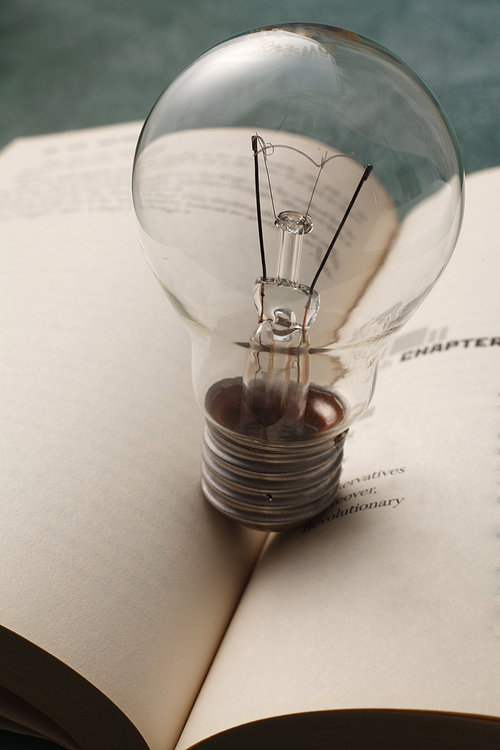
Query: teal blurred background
x=68 y=64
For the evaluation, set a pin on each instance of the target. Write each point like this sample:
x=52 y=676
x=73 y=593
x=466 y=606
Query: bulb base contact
x=270 y=487
x=264 y=484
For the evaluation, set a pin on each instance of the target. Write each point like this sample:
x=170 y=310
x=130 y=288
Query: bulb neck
x=270 y=486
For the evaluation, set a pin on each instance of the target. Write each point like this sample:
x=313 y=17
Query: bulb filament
x=276 y=378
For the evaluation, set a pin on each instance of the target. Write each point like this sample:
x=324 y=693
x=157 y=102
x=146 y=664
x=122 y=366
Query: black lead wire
x=255 y=140
x=364 y=177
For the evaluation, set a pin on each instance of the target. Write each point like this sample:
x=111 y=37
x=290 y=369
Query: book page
x=111 y=559
x=24 y=719
x=390 y=599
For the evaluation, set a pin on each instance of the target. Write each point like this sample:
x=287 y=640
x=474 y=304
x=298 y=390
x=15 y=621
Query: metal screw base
x=269 y=486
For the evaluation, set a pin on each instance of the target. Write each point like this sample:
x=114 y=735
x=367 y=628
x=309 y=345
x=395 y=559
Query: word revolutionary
x=393 y=503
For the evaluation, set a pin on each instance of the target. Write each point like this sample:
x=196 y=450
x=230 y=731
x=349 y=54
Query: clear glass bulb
x=298 y=192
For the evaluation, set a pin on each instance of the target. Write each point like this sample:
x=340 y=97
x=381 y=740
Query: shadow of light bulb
x=298 y=192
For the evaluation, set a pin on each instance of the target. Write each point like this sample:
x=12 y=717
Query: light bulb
x=298 y=191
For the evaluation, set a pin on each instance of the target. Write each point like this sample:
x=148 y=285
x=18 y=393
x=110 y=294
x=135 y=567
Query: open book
x=132 y=614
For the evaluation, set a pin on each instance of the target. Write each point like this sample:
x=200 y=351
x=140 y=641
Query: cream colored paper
x=110 y=559
x=390 y=600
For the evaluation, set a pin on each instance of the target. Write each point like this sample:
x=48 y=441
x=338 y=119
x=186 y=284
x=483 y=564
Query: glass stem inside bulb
x=275 y=382
x=277 y=371
x=293 y=226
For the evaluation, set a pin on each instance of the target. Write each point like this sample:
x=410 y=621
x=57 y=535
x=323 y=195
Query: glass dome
x=298 y=192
